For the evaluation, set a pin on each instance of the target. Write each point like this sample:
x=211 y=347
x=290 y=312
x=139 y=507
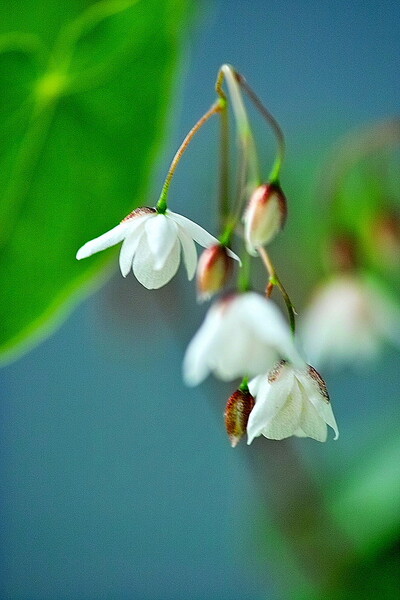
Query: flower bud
x=386 y=238
x=237 y=412
x=342 y=253
x=265 y=216
x=213 y=270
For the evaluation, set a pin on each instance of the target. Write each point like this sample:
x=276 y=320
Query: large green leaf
x=85 y=92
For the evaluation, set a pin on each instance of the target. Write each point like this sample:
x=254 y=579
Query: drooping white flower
x=242 y=334
x=152 y=244
x=348 y=319
x=290 y=401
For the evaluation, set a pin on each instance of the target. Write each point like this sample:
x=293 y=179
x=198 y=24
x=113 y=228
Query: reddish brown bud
x=237 y=412
x=265 y=216
x=213 y=270
x=342 y=253
x=386 y=237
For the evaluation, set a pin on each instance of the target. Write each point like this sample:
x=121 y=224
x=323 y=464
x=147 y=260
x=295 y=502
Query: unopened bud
x=386 y=238
x=213 y=270
x=265 y=216
x=342 y=253
x=237 y=412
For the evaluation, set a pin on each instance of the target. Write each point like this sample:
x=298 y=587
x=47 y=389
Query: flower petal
x=264 y=317
x=110 y=238
x=326 y=413
x=161 y=236
x=287 y=420
x=319 y=401
x=312 y=424
x=189 y=252
x=269 y=412
x=195 y=363
x=128 y=249
x=197 y=233
x=143 y=265
x=233 y=255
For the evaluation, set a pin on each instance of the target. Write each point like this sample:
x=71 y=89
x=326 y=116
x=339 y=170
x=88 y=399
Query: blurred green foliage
x=85 y=94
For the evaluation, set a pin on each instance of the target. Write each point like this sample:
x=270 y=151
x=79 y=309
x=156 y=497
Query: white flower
x=290 y=401
x=152 y=245
x=348 y=319
x=242 y=335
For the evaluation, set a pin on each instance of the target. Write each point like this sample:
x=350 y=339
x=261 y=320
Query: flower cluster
x=244 y=334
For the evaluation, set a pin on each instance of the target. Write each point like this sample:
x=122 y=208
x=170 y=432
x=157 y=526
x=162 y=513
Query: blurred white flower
x=290 y=401
x=242 y=334
x=152 y=245
x=348 y=319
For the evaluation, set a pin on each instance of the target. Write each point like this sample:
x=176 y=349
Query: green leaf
x=83 y=112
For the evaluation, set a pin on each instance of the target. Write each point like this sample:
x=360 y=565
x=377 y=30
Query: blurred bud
x=386 y=237
x=342 y=253
x=214 y=270
x=237 y=412
x=265 y=216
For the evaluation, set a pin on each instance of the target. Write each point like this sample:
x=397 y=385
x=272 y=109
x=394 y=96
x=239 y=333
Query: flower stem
x=219 y=105
x=243 y=281
x=228 y=73
x=224 y=166
x=274 y=280
x=274 y=175
x=244 y=386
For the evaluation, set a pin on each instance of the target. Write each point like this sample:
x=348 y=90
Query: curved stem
x=224 y=168
x=351 y=150
x=228 y=73
x=162 y=201
x=274 y=175
x=243 y=281
x=274 y=280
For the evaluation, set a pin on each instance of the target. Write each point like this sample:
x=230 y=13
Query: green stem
x=228 y=73
x=244 y=282
x=224 y=167
x=161 y=205
x=350 y=151
x=276 y=168
x=244 y=386
x=275 y=281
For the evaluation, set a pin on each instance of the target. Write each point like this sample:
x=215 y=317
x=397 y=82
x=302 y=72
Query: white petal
x=326 y=413
x=274 y=412
x=238 y=354
x=197 y=233
x=287 y=420
x=233 y=255
x=110 y=238
x=128 y=250
x=144 y=270
x=312 y=424
x=189 y=253
x=161 y=237
x=264 y=317
x=314 y=396
x=195 y=363
x=233 y=351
